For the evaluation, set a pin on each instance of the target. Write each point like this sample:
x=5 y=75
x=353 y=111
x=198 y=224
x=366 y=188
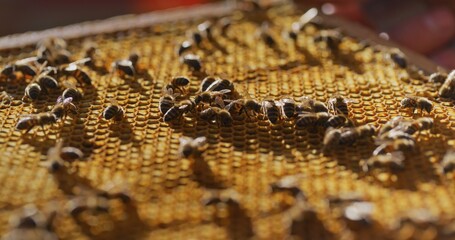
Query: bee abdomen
x=289 y=110
x=273 y=115
x=33 y=91
x=171 y=114
x=48 y=82
x=110 y=112
x=73 y=93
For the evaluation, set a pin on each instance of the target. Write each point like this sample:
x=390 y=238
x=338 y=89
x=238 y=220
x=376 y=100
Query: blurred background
x=17 y=16
x=425 y=26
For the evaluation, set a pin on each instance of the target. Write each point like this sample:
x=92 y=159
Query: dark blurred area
x=19 y=16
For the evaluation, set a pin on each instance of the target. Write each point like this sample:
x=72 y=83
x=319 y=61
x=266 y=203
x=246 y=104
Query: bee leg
x=28 y=129
x=44 y=130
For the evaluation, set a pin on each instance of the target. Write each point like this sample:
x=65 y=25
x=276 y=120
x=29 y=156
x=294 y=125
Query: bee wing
x=26 y=60
x=213 y=85
x=220 y=102
x=67 y=100
x=232 y=103
x=221 y=92
x=82 y=61
x=185 y=140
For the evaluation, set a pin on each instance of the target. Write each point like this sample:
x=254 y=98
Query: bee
x=71 y=92
x=331 y=138
x=63 y=107
x=175 y=112
x=167 y=101
x=216 y=84
x=188 y=105
x=193 y=61
x=416 y=102
x=225 y=24
x=447 y=89
x=289 y=184
x=113 y=111
x=53 y=50
x=249 y=106
x=46 y=81
x=337 y=121
x=27 y=122
x=271 y=111
x=391 y=124
x=339 y=104
x=351 y=135
x=183 y=47
x=23 y=66
x=393 y=161
x=57 y=155
x=288 y=107
x=437 y=77
x=220 y=114
x=402 y=145
x=420 y=124
x=448 y=162
x=196 y=37
x=31 y=223
x=178 y=83
x=126 y=66
x=190 y=147
x=73 y=69
x=32 y=91
x=398 y=58
x=312 y=119
x=265 y=35
x=332 y=39
x=311 y=105
x=209 y=96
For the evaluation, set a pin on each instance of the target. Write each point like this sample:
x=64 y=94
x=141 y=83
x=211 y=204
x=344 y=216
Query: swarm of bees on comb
x=194 y=129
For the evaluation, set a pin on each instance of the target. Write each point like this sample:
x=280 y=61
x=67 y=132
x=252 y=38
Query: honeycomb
x=142 y=150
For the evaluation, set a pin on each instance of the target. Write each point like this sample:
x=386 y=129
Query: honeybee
x=71 y=92
x=216 y=84
x=46 y=81
x=183 y=47
x=289 y=184
x=447 y=89
x=415 y=102
x=394 y=145
x=288 y=107
x=126 y=66
x=339 y=104
x=193 y=61
x=391 y=124
x=220 y=114
x=332 y=38
x=188 y=105
x=249 y=106
x=113 y=111
x=32 y=91
x=167 y=101
x=420 y=124
x=351 y=135
x=310 y=105
x=23 y=66
x=27 y=122
x=331 y=138
x=53 y=51
x=437 y=77
x=190 y=147
x=448 y=162
x=178 y=83
x=311 y=119
x=271 y=111
x=209 y=96
x=63 y=107
x=73 y=69
x=265 y=35
x=393 y=161
x=196 y=37
x=57 y=155
x=398 y=58
x=31 y=223
x=175 y=112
